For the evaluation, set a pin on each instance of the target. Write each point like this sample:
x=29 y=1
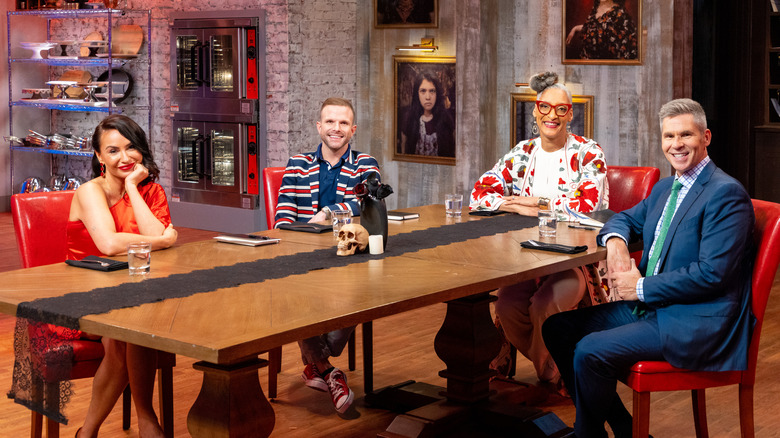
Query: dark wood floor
x=403 y=350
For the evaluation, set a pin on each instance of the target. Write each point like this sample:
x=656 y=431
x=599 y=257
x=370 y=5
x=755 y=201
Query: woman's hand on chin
x=139 y=173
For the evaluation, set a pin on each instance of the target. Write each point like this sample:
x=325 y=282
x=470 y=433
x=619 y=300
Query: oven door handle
x=196 y=58
x=206 y=157
x=197 y=155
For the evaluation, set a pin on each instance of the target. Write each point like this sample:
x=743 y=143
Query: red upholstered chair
x=272 y=181
x=39 y=224
x=646 y=377
x=629 y=185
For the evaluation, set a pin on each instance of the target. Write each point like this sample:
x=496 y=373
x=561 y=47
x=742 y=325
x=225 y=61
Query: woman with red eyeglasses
x=562 y=172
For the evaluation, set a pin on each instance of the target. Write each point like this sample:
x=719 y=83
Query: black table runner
x=66 y=310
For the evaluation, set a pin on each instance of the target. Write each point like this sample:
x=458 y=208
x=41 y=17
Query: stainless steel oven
x=218 y=119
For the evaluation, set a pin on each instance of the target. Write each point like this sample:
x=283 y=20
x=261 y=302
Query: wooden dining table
x=228 y=327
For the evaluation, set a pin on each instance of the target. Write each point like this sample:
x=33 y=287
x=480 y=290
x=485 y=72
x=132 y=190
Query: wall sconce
x=426 y=45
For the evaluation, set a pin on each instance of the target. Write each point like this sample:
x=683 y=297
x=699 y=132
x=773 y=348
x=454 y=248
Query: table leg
x=231 y=403
x=467 y=341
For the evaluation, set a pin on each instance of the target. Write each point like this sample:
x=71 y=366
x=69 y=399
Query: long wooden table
x=226 y=329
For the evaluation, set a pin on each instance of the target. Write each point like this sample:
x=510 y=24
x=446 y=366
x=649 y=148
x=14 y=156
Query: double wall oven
x=218 y=118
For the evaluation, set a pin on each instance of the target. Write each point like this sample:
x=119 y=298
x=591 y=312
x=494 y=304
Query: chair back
x=628 y=185
x=272 y=181
x=766 y=236
x=40 y=221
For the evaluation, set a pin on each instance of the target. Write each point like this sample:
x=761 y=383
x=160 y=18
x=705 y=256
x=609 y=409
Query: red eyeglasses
x=560 y=110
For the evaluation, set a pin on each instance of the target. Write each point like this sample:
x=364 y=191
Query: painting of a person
x=401 y=12
x=609 y=32
x=429 y=128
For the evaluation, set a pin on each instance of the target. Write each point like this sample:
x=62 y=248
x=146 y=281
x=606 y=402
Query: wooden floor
x=403 y=346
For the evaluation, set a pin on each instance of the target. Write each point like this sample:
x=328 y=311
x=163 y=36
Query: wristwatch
x=326 y=210
x=543 y=203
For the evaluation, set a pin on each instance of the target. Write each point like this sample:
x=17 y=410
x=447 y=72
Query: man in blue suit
x=686 y=303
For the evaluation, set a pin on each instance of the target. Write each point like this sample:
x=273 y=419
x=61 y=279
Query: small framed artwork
x=522 y=117
x=602 y=32
x=406 y=13
x=424 y=109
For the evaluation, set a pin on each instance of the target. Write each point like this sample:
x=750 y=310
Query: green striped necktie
x=659 y=242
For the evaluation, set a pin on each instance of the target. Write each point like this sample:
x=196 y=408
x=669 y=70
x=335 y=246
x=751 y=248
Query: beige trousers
x=523 y=307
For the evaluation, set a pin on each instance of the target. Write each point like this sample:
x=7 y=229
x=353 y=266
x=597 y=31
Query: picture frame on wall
x=602 y=32
x=406 y=13
x=522 y=118
x=424 y=109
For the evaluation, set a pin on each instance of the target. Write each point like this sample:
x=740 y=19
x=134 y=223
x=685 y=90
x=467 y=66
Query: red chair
x=629 y=185
x=272 y=181
x=649 y=376
x=39 y=224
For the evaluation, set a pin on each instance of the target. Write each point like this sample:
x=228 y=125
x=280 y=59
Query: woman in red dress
x=121 y=205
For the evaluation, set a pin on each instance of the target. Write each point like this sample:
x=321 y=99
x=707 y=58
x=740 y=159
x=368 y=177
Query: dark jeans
x=594 y=347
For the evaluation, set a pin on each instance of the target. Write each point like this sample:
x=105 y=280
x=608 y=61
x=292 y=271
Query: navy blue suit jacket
x=702 y=291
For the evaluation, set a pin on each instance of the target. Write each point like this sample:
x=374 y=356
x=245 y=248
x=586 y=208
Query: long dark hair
x=443 y=123
x=133 y=133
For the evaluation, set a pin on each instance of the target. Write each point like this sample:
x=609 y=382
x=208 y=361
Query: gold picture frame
x=410 y=115
x=392 y=14
x=522 y=119
x=619 y=39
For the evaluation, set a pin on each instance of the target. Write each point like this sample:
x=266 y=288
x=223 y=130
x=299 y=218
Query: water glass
x=139 y=257
x=548 y=223
x=453 y=204
x=340 y=218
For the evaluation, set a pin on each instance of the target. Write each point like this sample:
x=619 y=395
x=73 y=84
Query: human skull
x=352 y=237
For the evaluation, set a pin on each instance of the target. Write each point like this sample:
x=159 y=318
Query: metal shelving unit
x=109 y=61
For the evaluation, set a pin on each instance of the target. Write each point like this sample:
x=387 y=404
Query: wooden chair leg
x=36 y=425
x=641 y=423
x=52 y=393
x=351 y=351
x=746 y=411
x=274 y=365
x=512 y=360
x=699 y=402
x=165 y=392
x=368 y=357
x=52 y=428
x=127 y=403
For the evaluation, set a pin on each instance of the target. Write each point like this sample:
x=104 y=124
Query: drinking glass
x=340 y=218
x=139 y=257
x=453 y=204
x=548 y=223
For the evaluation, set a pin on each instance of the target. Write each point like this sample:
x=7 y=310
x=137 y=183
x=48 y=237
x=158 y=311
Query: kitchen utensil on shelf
x=76 y=77
x=91 y=43
x=37 y=48
x=121 y=83
x=31 y=184
x=37 y=93
x=63 y=50
x=126 y=39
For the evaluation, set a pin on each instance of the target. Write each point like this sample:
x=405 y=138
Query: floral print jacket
x=582 y=179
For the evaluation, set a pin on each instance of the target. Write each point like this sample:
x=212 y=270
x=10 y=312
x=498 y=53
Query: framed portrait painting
x=522 y=117
x=424 y=109
x=602 y=32
x=406 y=13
